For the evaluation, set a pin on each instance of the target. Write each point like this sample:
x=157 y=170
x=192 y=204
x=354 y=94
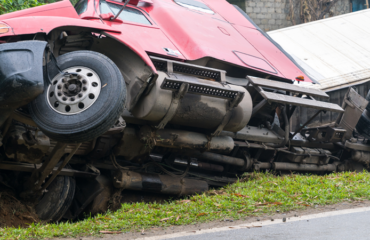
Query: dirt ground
x=14 y=213
x=228 y=222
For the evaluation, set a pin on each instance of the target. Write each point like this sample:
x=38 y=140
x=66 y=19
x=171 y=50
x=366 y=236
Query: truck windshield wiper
x=123 y=7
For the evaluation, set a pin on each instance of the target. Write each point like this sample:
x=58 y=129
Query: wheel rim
x=74 y=93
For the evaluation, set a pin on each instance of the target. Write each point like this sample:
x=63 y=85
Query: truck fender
x=33 y=25
x=21 y=73
x=37 y=24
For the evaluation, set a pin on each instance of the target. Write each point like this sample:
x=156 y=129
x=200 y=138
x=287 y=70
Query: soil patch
x=13 y=212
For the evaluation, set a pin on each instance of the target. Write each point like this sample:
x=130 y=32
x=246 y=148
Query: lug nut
x=64 y=99
x=84 y=88
x=59 y=86
x=80 y=95
x=72 y=99
x=59 y=94
x=84 y=81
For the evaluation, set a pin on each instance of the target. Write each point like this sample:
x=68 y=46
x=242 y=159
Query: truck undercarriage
x=188 y=133
x=83 y=116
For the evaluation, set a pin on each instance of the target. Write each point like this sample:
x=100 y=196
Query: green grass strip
x=257 y=194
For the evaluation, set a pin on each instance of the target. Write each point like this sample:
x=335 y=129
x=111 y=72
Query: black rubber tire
x=95 y=120
x=54 y=203
x=363 y=125
x=368 y=99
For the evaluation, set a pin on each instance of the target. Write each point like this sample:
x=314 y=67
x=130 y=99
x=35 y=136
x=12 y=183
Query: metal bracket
x=232 y=104
x=39 y=175
x=176 y=99
x=306 y=123
x=64 y=163
x=354 y=105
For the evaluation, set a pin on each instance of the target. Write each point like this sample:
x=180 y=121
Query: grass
x=257 y=194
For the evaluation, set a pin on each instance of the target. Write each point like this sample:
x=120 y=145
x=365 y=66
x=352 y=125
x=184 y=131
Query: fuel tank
x=194 y=109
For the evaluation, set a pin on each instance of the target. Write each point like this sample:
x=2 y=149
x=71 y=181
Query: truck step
x=287 y=87
x=201 y=88
x=295 y=100
x=170 y=66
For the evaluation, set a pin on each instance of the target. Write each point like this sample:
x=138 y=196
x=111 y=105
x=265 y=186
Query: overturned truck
x=163 y=96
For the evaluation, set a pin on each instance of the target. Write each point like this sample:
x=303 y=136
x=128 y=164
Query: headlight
x=4 y=28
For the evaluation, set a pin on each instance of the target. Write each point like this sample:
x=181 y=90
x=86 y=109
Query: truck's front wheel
x=82 y=103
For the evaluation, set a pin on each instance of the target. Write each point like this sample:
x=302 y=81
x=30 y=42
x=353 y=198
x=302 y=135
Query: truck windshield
x=128 y=14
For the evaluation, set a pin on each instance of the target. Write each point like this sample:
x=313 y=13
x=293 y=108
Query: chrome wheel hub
x=75 y=91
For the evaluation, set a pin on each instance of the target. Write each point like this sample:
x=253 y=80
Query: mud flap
x=21 y=73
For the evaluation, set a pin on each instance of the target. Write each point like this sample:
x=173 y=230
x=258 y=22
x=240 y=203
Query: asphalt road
x=346 y=226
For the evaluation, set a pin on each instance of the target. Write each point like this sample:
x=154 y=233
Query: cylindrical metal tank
x=194 y=110
x=174 y=138
x=159 y=183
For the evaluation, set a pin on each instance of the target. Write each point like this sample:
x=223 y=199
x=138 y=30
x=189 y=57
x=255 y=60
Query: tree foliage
x=310 y=10
x=7 y=6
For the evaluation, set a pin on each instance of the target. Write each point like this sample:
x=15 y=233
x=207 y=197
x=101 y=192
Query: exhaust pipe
x=281 y=166
x=158 y=183
x=200 y=165
x=218 y=158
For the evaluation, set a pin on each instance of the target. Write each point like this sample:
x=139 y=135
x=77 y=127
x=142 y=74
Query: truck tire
x=368 y=99
x=57 y=200
x=83 y=105
x=363 y=125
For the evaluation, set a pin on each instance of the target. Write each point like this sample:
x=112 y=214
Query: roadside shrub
x=7 y=6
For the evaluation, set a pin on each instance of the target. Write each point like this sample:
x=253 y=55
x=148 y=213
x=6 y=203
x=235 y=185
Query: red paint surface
x=192 y=33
